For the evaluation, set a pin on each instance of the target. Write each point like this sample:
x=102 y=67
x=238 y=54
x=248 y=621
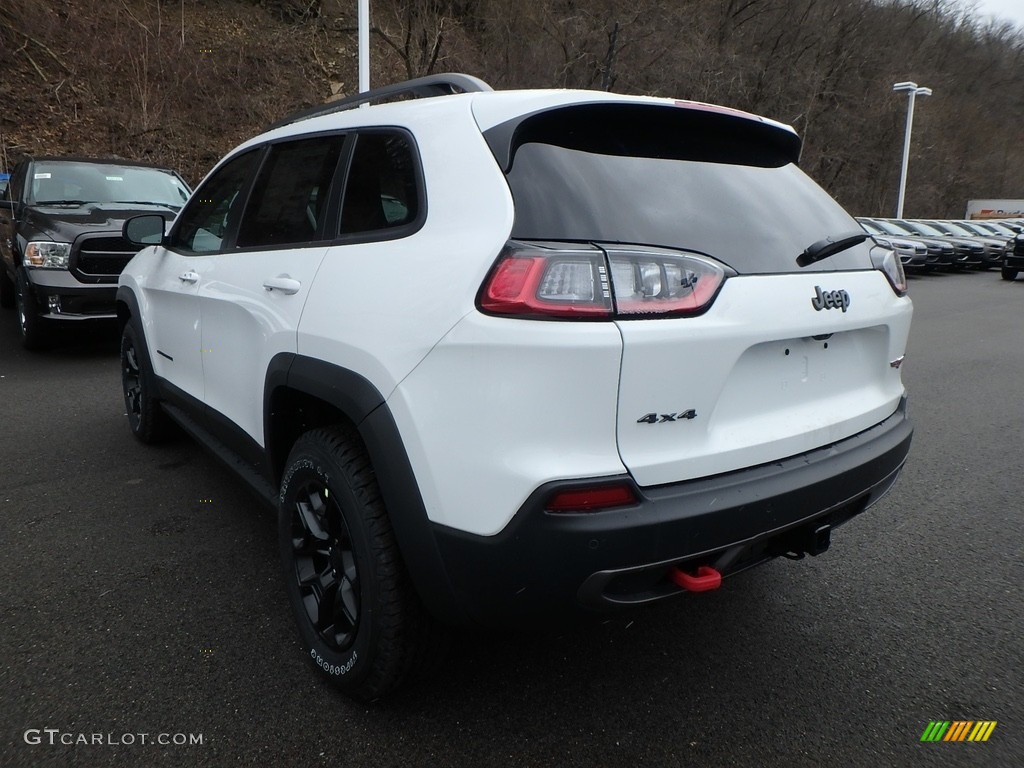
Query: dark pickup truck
x=1013 y=257
x=61 y=247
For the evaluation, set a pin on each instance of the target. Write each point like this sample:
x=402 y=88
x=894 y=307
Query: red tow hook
x=707 y=578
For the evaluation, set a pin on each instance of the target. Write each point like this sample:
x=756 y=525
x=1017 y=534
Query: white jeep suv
x=497 y=355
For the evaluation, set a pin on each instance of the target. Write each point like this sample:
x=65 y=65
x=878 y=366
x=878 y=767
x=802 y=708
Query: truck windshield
x=80 y=182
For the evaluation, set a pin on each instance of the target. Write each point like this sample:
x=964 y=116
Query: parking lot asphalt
x=140 y=594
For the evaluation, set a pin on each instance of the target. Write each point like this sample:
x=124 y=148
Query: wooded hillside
x=180 y=82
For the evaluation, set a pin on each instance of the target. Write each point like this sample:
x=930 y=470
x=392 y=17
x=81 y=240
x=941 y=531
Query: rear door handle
x=282 y=283
x=189 y=277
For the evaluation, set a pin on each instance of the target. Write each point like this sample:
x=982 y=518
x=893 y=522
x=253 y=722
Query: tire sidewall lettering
x=336 y=670
x=298 y=466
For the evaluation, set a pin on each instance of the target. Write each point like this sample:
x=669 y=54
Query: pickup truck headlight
x=44 y=254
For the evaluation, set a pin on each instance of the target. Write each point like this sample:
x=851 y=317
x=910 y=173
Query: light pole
x=913 y=92
x=364 y=45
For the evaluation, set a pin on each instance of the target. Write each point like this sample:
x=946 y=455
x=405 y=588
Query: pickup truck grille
x=100 y=258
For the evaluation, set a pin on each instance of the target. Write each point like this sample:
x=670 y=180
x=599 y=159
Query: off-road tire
x=361 y=623
x=35 y=334
x=146 y=419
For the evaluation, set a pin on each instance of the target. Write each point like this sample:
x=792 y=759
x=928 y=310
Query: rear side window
x=382 y=193
x=704 y=181
x=289 y=199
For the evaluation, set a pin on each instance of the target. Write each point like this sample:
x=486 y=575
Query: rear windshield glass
x=743 y=201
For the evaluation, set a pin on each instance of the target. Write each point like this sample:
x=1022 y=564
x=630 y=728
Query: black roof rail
x=422 y=87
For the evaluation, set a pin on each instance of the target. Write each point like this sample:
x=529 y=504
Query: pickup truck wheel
x=359 y=618
x=6 y=290
x=34 y=332
x=145 y=418
x=1008 y=274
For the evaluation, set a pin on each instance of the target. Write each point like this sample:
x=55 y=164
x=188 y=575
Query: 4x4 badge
x=830 y=299
x=661 y=418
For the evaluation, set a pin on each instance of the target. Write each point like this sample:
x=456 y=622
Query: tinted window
x=215 y=207
x=381 y=191
x=711 y=183
x=289 y=199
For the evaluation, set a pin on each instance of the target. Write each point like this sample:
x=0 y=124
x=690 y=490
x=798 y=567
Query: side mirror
x=147 y=229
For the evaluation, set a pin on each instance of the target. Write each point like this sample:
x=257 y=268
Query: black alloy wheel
x=325 y=566
x=146 y=419
x=131 y=382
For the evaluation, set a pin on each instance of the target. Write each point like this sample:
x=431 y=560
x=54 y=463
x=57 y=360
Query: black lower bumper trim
x=544 y=562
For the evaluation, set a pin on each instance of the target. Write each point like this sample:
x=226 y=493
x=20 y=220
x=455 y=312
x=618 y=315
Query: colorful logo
x=958 y=730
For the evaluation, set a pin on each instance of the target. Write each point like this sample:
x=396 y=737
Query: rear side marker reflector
x=591 y=499
x=707 y=578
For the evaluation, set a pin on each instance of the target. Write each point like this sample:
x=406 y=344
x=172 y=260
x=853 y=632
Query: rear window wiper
x=830 y=246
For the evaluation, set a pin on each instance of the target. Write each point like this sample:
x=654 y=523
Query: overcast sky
x=1006 y=10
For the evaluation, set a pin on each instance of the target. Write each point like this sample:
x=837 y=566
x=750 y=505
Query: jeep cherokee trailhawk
x=497 y=355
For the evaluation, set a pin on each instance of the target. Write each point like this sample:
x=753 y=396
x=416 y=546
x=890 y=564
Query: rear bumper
x=559 y=563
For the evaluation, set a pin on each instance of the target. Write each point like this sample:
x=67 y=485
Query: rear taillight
x=886 y=260
x=660 y=283
x=548 y=284
x=599 y=284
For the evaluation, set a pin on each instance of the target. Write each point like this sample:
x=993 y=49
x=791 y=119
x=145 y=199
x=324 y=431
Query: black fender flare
x=363 y=404
x=126 y=296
